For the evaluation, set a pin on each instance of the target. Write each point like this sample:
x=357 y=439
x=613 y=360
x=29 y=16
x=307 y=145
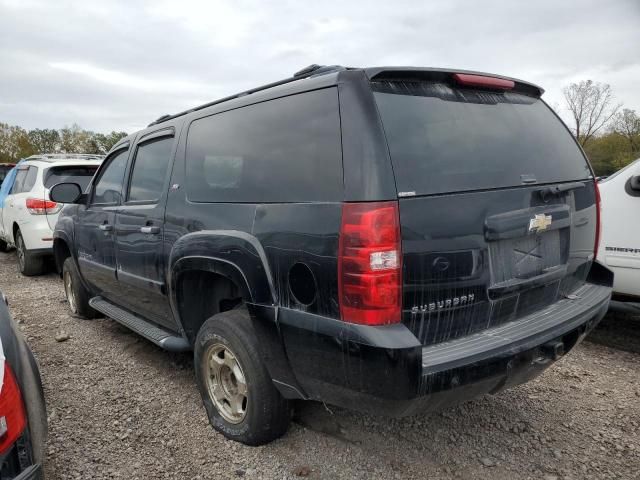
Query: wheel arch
x=61 y=252
x=201 y=287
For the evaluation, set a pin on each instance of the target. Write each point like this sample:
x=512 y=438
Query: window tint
x=80 y=174
x=18 y=183
x=282 y=150
x=150 y=170
x=108 y=187
x=445 y=140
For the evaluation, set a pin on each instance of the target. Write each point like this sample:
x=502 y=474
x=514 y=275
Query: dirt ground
x=121 y=408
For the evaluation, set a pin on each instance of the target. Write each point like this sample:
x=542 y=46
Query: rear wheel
x=4 y=246
x=236 y=389
x=77 y=295
x=28 y=263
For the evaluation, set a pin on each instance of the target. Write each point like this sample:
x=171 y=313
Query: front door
x=140 y=229
x=95 y=228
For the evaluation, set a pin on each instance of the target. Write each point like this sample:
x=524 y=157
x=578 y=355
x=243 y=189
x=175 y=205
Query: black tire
x=75 y=292
x=28 y=264
x=4 y=246
x=266 y=413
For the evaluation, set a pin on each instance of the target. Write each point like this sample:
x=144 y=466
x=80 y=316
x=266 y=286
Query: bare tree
x=627 y=124
x=590 y=106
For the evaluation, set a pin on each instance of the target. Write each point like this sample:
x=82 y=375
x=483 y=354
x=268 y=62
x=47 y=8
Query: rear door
x=95 y=227
x=15 y=206
x=140 y=229
x=497 y=204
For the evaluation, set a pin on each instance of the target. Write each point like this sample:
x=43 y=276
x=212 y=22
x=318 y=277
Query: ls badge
x=539 y=223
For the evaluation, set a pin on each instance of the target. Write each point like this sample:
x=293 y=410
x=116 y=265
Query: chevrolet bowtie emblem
x=539 y=223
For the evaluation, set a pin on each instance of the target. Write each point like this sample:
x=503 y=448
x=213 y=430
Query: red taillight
x=598 y=219
x=481 y=81
x=13 y=418
x=370 y=263
x=38 y=206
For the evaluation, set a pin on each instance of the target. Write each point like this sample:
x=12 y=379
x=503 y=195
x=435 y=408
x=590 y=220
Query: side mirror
x=65 y=193
x=634 y=183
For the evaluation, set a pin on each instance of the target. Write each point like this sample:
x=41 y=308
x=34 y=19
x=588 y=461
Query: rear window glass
x=282 y=150
x=447 y=140
x=81 y=175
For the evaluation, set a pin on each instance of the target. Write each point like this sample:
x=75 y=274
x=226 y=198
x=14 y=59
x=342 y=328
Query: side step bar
x=157 y=335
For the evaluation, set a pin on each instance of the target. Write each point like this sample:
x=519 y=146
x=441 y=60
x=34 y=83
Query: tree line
x=17 y=143
x=608 y=133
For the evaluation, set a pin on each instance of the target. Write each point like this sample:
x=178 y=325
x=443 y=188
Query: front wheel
x=236 y=389
x=77 y=295
x=28 y=263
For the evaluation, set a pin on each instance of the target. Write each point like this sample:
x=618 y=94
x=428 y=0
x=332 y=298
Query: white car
x=27 y=216
x=619 y=247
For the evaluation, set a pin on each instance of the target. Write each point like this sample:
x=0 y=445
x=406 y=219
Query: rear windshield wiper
x=559 y=189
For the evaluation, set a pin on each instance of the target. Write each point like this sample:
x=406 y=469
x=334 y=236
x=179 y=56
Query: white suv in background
x=27 y=216
x=620 y=237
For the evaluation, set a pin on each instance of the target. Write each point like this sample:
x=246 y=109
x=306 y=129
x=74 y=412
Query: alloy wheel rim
x=20 y=251
x=226 y=383
x=68 y=290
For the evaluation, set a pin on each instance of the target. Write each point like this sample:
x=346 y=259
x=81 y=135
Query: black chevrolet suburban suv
x=386 y=239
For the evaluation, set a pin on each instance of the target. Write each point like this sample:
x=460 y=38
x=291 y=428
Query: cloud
x=119 y=64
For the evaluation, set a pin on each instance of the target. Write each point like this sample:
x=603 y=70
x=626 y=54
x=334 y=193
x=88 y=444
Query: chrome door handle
x=152 y=230
x=105 y=227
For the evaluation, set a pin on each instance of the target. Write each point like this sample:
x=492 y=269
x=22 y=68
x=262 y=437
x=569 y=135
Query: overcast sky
x=110 y=65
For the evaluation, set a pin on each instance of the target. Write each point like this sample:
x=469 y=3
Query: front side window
x=108 y=187
x=150 y=170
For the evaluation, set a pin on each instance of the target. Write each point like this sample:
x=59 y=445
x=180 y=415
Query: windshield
x=80 y=174
x=448 y=140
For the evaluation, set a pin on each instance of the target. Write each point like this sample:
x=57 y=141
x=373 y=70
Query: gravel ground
x=121 y=408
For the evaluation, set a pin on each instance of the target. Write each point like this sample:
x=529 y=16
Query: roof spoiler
x=446 y=76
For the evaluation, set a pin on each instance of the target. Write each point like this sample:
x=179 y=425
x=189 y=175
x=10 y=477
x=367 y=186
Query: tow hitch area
x=553 y=350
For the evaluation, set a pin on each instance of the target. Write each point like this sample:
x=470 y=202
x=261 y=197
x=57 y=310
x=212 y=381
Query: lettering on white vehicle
x=622 y=250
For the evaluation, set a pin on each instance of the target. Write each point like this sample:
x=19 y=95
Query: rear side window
x=150 y=170
x=79 y=174
x=282 y=150
x=443 y=139
x=21 y=174
x=25 y=180
x=30 y=179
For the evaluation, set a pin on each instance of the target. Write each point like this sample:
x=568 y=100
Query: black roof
x=372 y=73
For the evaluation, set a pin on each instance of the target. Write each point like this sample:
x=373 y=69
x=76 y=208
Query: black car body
x=402 y=238
x=23 y=416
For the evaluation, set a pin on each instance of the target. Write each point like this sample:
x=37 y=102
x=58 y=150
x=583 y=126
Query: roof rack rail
x=309 y=71
x=65 y=156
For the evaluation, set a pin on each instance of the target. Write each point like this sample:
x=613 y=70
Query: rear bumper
x=384 y=370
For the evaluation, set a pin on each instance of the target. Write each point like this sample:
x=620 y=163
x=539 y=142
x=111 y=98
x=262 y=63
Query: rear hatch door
x=73 y=172
x=497 y=203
